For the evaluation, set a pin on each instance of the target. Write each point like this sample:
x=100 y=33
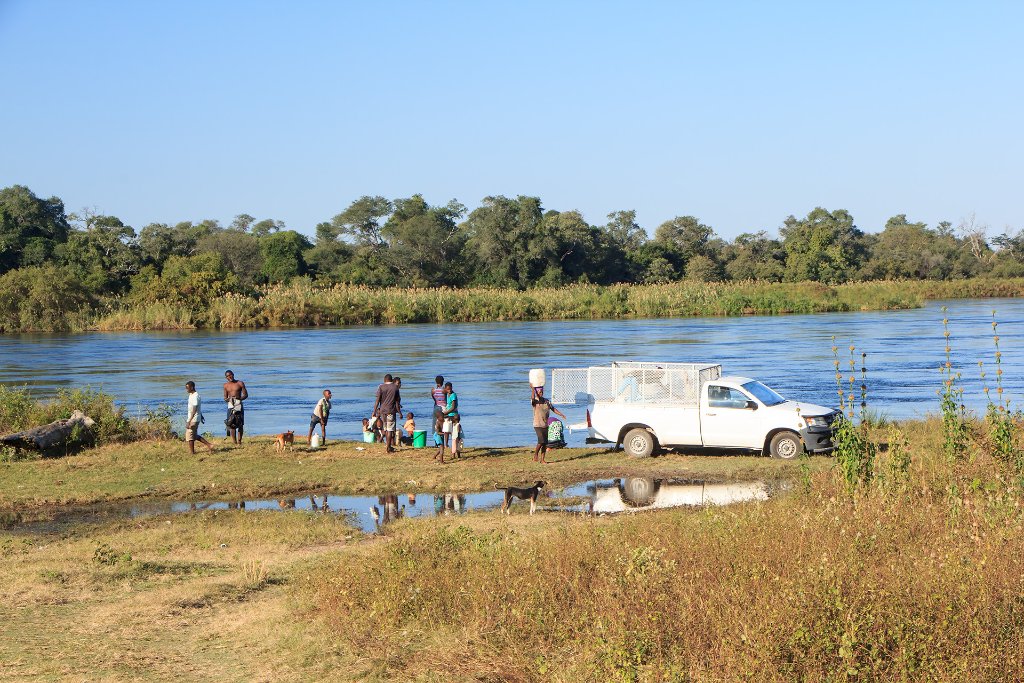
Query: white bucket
x=537 y=377
x=314 y=443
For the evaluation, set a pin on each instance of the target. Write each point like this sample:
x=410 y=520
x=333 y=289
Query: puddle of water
x=369 y=513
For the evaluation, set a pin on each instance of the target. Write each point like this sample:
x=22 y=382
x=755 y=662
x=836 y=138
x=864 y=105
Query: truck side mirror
x=751 y=405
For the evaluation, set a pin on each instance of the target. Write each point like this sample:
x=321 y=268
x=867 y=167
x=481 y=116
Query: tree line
x=87 y=256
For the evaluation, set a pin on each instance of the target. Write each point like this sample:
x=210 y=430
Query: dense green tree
x=755 y=256
x=282 y=254
x=425 y=243
x=687 y=236
x=701 y=268
x=42 y=298
x=910 y=250
x=267 y=226
x=160 y=241
x=329 y=255
x=623 y=231
x=504 y=235
x=623 y=238
x=361 y=225
x=102 y=251
x=1009 y=260
x=824 y=246
x=193 y=281
x=659 y=270
x=572 y=250
x=242 y=222
x=30 y=227
x=239 y=252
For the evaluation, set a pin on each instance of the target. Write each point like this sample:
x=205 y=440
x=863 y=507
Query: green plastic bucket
x=368 y=437
x=419 y=439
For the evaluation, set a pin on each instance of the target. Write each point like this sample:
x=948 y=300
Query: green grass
x=165 y=469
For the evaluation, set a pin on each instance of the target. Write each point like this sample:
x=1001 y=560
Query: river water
x=286 y=370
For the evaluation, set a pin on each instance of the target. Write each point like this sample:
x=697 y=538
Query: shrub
x=41 y=299
x=20 y=411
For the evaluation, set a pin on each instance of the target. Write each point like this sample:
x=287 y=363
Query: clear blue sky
x=738 y=113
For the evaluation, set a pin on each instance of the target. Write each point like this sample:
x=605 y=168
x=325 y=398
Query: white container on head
x=537 y=377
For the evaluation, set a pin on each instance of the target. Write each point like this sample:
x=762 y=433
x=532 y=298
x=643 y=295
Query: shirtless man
x=234 y=393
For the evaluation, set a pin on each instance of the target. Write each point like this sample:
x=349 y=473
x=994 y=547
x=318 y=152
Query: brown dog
x=529 y=493
x=285 y=439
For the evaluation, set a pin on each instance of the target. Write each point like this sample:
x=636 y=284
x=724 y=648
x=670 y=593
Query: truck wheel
x=786 y=446
x=639 y=491
x=639 y=443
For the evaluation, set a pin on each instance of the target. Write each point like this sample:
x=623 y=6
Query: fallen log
x=57 y=433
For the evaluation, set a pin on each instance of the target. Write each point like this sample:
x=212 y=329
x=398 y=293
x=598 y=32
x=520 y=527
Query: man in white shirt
x=193 y=419
x=321 y=413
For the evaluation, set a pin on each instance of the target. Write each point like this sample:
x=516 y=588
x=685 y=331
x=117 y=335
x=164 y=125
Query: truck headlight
x=816 y=421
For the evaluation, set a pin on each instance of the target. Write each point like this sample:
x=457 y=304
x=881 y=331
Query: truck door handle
x=711 y=414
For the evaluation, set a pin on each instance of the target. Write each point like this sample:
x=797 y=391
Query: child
x=457 y=436
x=367 y=429
x=377 y=426
x=439 y=438
x=409 y=427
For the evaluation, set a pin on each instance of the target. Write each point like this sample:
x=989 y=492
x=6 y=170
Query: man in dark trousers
x=234 y=393
x=388 y=400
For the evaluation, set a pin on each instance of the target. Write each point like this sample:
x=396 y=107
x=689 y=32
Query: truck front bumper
x=817 y=439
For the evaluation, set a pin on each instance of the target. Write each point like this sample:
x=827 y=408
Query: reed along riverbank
x=304 y=303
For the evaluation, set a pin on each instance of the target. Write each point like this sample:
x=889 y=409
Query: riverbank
x=165 y=470
x=915 y=574
x=305 y=304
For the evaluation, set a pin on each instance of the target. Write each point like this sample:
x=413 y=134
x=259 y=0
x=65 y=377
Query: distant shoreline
x=303 y=303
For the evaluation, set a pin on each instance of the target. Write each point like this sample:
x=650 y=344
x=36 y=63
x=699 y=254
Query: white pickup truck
x=646 y=406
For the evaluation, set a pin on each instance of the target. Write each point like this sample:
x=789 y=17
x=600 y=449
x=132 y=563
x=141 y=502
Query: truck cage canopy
x=633 y=382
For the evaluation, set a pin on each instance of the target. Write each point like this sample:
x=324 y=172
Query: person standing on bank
x=542 y=410
x=451 y=410
x=384 y=407
x=193 y=419
x=234 y=393
x=398 y=413
x=438 y=397
x=321 y=412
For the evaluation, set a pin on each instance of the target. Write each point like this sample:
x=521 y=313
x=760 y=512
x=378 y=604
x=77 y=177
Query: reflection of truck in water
x=646 y=406
x=640 y=493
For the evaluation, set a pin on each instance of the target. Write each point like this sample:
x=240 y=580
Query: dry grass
x=916 y=577
x=200 y=596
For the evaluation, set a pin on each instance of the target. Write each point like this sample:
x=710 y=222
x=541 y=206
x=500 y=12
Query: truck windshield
x=763 y=394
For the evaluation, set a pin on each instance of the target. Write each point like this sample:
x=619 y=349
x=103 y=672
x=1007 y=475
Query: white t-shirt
x=195 y=409
x=323 y=408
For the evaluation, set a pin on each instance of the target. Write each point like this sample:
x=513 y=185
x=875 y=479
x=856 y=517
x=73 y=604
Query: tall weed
x=954 y=422
x=854 y=450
